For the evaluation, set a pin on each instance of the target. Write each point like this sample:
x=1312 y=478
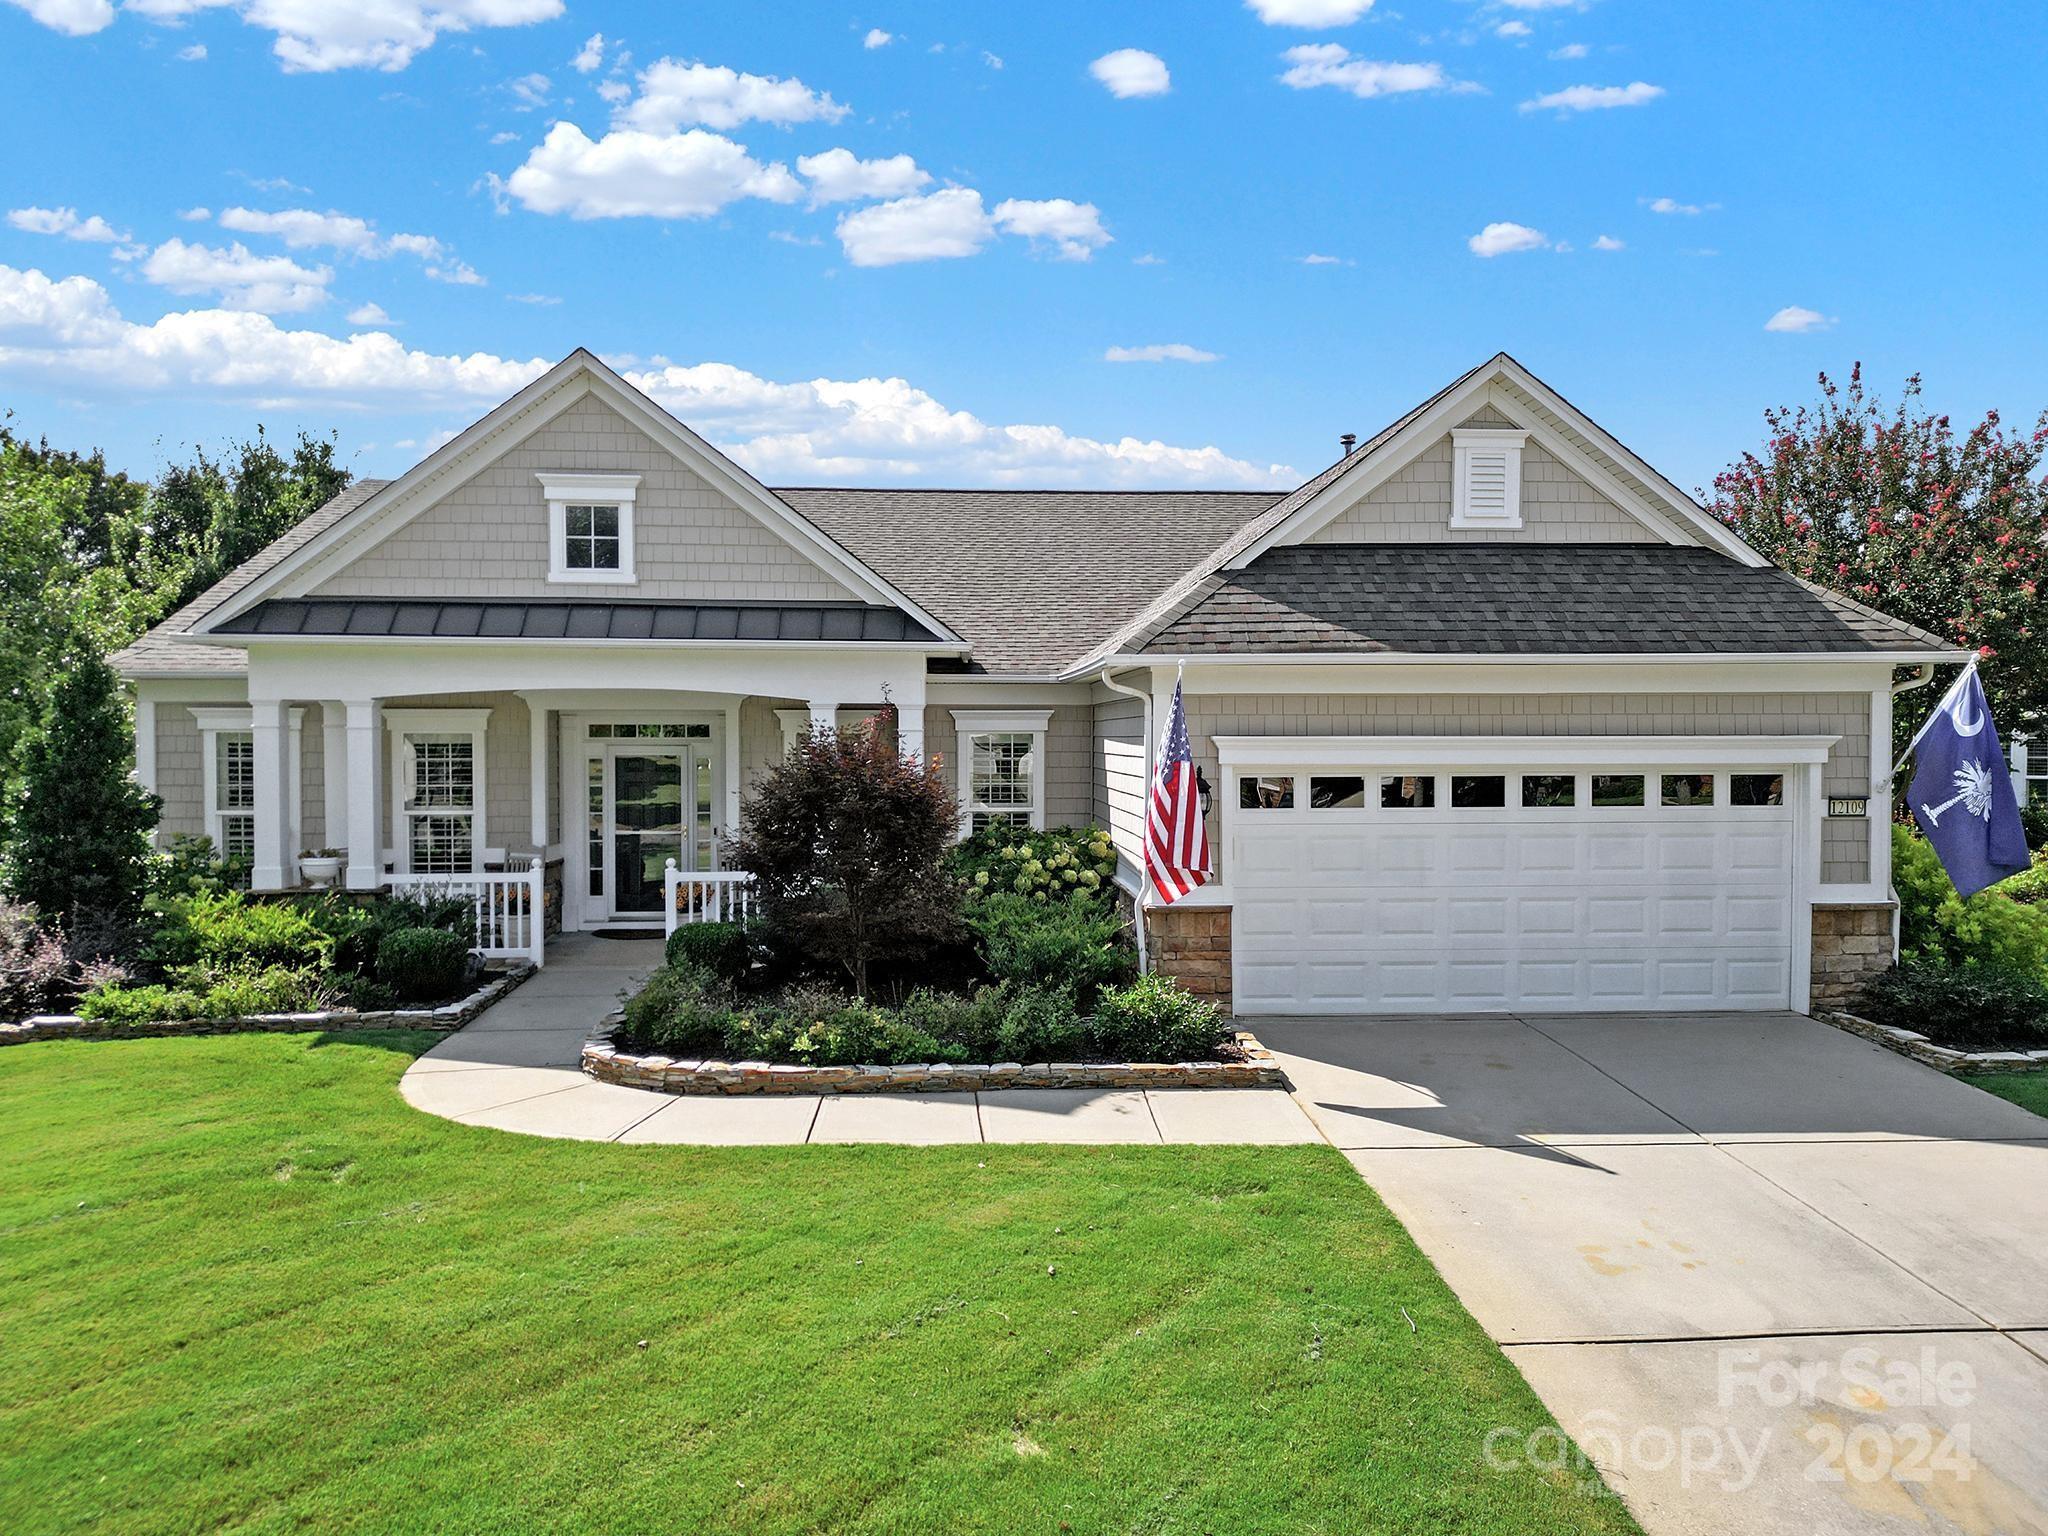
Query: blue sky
x=897 y=242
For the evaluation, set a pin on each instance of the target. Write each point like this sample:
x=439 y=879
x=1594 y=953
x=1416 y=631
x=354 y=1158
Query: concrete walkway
x=515 y=1069
x=1772 y=1277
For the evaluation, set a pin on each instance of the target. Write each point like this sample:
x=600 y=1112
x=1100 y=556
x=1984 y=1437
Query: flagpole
x=1932 y=715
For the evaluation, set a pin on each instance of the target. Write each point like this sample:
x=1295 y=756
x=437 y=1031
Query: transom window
x=1265 y=792
x=1339 y=790
x=1002 y=767
x=590 y=526
x=1688 y=788
x=1545 y=790
x=667 y=731
x=1407 y=791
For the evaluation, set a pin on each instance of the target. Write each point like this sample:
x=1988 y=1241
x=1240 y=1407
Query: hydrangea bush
x=1048 y=865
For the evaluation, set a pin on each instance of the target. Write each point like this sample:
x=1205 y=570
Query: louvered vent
x=1488 y=484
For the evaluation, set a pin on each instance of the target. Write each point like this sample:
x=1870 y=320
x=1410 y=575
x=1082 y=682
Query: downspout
x=1144 y=698
x=1923 y=674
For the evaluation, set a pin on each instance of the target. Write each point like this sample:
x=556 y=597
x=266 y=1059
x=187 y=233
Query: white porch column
x=270 y=869
x=908 y=697
x=365 y=803
x=537 y=766
x=732 y=768
x=824 y=714
x=334 y=771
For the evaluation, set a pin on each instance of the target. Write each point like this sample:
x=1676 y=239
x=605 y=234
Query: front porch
x=604 y=797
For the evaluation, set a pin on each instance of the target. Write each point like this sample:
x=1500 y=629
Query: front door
x=648 y=823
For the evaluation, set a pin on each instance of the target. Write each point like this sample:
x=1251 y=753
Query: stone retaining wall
x=609 y=1064
x=1922 y=1049
x=448 y=1017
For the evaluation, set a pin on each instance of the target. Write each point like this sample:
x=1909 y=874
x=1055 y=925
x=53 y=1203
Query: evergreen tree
x=78 y=826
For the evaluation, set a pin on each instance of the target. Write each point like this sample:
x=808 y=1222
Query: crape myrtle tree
x=847 y=842
x=1893 y=509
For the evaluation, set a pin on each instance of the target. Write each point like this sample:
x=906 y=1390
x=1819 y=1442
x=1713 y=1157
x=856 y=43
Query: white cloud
x=303 y=230
x=877 y=38
x=65 y=221
x=454 y=270
x=1309 y=13
x=1513 y=29
x=991 y=60
x=1504 y=238
x=881 y=429
x=316 y=36
x=195 y=215
x=266 y=285
x=192 y=54
x=613 y=91
x=1595 y=98
x=74 y=18
x=1609 y=243
x=1148 y=260
x=590 y=57
x=542 y=299
x=1316 y=64
x=1318 y=259
x=1671 y=205
x=1570 y=51
x=937 y=226
x=1160 y=352
x=673 y=94
x=1543 y=5
x=368 y=314
x=504 y=136
x=1797 y=320
x=1131 y=72
x=531 y=90
x=837 y=176
x=1074 y=229
x=657 y=175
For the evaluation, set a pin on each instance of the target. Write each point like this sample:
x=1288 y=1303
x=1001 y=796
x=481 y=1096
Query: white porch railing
x=705 y=896
x=507 y=904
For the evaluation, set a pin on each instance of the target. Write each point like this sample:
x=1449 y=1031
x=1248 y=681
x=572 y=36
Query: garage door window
x=1341 y=792
x=1543 y=790
x=1407 y=791
x=1265 y=793
x=1617 y=789
x=1688 y=789
x=1478 y=791
x=1756 y=789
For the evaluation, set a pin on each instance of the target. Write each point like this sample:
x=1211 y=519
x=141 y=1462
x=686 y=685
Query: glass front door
x=649 y=820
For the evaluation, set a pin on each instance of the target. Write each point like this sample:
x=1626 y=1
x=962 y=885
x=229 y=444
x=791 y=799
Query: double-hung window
x=590 y=526
x=437 y=779
x=227 y=780
x=1002 y=767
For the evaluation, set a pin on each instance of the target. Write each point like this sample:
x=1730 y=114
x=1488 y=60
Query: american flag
x=1176 y=842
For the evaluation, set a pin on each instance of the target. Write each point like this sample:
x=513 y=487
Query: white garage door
x=1451 y=890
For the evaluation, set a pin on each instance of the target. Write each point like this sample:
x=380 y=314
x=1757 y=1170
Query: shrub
x=847 y=842
x=189 y=866
x=229 y=932
x=2030 y=885
x=1073 y=942
x=34 y=970
x=1153 y=1019
x=423 y=964
x=1041 y=1026
x=1055 y=862
x=1938 y=926
x=272 y=989
x=139 y=1005
x=720 y=948
x=1979 y=1007
x=682 y=1010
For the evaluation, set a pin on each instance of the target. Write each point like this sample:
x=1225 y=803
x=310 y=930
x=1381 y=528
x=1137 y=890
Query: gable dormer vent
x=1486 y=490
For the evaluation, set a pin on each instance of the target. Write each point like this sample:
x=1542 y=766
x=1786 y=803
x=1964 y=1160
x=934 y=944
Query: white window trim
x=216 y=720
x=970 y=723
x=473 y=723
x=1464 y=442
x=562 y=488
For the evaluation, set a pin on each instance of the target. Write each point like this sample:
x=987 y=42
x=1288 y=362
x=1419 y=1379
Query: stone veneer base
x=449 y=1016
x=1922 y=1049
x=608 y=1064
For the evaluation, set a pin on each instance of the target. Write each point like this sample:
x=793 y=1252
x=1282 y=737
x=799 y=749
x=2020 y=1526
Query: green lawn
x=246 y=1286
x=2029 y=1090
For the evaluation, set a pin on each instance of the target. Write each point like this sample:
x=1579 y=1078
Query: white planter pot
x=320 y=871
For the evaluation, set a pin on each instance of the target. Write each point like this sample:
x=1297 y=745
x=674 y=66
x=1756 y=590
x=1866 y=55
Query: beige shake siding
x=489 y=536
x=179 y=772
x=1414 y=505
x=1119 y=768
x=1069 y=752
x=1845 y=848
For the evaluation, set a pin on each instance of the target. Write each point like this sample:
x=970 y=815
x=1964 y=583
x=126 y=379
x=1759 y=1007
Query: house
x=1491 y=715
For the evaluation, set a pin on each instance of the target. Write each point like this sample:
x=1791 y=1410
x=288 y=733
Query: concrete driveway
x=1771 y=1277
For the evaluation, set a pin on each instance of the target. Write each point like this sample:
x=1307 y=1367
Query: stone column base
x=1192 y=945
x=1851 y=945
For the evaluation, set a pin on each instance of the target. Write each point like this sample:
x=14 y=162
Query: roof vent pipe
x=1349 y=441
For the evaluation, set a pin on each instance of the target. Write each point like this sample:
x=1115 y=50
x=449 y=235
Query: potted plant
x=321 y=866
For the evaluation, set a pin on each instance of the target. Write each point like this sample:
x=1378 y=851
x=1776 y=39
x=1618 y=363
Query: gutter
x=1914 y=658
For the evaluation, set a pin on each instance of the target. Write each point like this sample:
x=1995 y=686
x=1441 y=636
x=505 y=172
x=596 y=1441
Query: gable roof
x=344 y=538
x=1516 y=599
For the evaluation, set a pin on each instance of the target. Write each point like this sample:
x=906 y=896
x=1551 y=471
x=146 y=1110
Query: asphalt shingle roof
x=1506 y=599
